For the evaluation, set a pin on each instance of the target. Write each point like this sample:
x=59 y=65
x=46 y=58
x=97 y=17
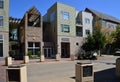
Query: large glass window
x=34 y=47
x=65 y=15
x=1 y=21
x=65 y=28
x=1 y=4
x=87 y=20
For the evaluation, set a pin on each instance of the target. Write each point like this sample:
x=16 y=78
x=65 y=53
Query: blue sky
x=110 y=7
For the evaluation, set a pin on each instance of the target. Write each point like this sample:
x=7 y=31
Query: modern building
x=31 y=32
x=61 y=31
x=65 y=29
x=4 y=28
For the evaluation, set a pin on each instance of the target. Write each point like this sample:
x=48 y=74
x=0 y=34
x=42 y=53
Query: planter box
x=16 y=73
x=84 y=72
x=118 y=67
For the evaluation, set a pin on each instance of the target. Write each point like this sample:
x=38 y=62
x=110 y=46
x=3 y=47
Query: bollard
x=72 y=57
x=26 y=59
x=57 y=57
x=42 y=58
x=8 y=61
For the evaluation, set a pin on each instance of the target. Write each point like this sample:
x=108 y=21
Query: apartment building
x=65 y=29
x=4 y=28
x=31 y=32
x=62 y=31
x=108 y=22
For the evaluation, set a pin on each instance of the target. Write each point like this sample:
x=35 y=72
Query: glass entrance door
x=48 y=52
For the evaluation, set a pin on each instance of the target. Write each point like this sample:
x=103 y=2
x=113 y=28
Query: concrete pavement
x=64 y=71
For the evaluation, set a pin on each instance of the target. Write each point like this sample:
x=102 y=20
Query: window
x=111 y=26
x=65 y=28
x=52 y=17
x=65 y=15
x=1 y=4
x=79 y=31
x=13 y=34
x=87 y=21
x=103 y=23
x=1 y=21
x=34 y=20
x=87 y=32
x=34 y=47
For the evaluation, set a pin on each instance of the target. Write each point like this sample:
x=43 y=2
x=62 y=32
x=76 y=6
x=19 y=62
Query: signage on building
x=65 y=40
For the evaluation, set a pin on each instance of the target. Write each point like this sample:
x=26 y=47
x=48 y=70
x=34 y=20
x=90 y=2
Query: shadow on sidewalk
x=108 y=75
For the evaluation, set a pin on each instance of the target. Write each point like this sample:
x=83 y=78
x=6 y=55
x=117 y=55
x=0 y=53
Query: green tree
x=89 y=44
x=117 y=37
x=97 y=41
x=100 y=40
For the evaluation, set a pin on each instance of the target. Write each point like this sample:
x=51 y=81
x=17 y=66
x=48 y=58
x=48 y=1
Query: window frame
x=1 y=21
x=111 y=26
x=103 y=23
x=65 y=15
x=87 y=21
x=64 y=26
x=1 y=4
x=33 y=47
x=87 y=32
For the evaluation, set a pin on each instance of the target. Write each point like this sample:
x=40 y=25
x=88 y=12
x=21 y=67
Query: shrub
x=30 y=53
x=33 y=56
x=39 y=54
x=11 y=53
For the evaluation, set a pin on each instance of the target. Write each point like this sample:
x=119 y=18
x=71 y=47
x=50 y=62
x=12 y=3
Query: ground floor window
x=1 y=45
x=34 y=47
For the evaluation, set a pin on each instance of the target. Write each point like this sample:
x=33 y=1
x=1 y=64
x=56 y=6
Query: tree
x=97 y=41
x=100 y=40
x=89 y=44
x=117 y=37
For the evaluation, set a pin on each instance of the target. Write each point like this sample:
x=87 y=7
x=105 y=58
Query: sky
x=110 y=7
